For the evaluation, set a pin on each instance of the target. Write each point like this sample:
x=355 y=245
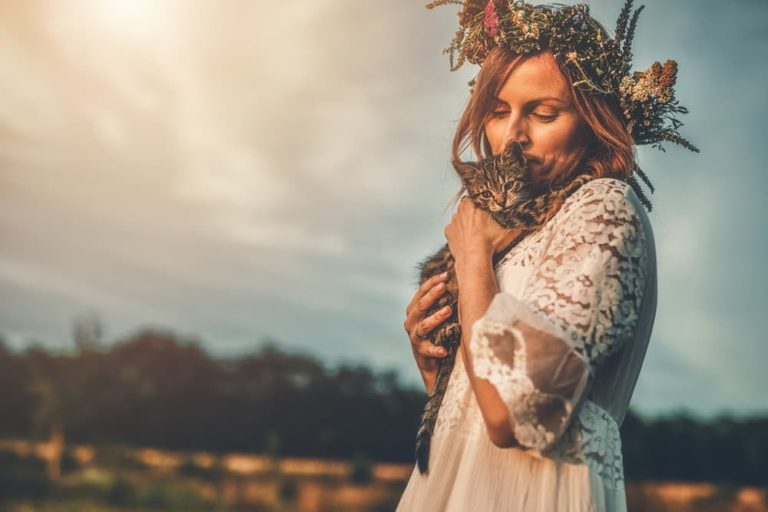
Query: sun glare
x=130 y=19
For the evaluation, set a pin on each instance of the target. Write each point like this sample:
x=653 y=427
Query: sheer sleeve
x=541 y=350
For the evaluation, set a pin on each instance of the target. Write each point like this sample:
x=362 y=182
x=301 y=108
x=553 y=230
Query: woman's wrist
x=479 y=261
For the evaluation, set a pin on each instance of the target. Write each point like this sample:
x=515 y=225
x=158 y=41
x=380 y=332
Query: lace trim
x=538 y=417
x=519 y=255
x=594 y=439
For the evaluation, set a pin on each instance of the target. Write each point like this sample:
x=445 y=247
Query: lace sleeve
x=580 y=305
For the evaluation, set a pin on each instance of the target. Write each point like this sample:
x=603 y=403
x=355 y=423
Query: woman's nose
x=516 y=130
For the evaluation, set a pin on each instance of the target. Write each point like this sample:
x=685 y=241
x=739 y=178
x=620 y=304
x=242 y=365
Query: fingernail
x=441 y=351
x=445 y=310
x=444 y=275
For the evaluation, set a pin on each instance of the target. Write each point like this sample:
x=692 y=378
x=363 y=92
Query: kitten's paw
x=441 y=336
x=452 y=335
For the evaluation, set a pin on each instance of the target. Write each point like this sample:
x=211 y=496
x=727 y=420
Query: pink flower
x=491 y=19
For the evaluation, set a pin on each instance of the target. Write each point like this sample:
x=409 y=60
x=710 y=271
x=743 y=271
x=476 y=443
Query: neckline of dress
x=501 y=256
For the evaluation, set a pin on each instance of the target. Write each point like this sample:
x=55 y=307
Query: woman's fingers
x=419 y=337
x=428 y=324
x=418 y=325
x=426 y=348
x=419 y=311
x=426 y=302
x=425 y=287
x=421 y=303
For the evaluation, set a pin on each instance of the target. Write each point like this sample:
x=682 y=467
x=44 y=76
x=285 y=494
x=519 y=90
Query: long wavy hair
x=610 y=151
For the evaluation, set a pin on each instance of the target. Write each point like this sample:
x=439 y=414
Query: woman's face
x=534 y=107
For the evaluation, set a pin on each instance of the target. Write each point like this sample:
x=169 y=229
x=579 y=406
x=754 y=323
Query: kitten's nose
x=501 y=200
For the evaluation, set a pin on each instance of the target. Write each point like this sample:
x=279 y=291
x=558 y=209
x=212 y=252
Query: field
x=119 y=479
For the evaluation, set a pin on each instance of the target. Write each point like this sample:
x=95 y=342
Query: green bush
x=22 y=476
x=158 y=495
x=361 y=471
x=190 y=468
x=289 y=488
x=119 y=458
x=68 y=461
x=124 y=493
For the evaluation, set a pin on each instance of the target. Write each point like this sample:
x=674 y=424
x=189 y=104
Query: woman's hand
x=474 y=235
x=418 y=326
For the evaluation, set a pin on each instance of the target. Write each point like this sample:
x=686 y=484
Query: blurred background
x=211 y=214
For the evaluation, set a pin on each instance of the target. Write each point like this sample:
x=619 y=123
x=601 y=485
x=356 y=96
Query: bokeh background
x=249 y=172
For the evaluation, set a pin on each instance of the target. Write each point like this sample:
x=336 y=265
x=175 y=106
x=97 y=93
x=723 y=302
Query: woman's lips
x=532 y=160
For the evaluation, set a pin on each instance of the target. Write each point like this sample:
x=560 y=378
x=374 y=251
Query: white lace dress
x=563 y=343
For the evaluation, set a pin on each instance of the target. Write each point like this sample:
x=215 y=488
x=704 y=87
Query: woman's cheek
x=494 y=135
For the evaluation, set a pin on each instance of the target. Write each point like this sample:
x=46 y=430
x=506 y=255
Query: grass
x=121 y=479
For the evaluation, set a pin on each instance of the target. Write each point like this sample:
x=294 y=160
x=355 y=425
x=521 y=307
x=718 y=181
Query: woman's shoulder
x=601 y=198
x=602 y=207
x=611 y=190
x=603 y=215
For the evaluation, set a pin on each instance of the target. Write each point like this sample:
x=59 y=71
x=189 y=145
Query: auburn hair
x=610 y=149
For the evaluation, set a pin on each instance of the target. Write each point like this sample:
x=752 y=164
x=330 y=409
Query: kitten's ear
x=466 y=170
x=515 y=151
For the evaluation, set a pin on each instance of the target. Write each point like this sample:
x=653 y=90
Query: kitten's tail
x=429 y=416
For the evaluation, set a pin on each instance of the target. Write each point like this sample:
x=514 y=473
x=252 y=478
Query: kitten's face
x=498 y=182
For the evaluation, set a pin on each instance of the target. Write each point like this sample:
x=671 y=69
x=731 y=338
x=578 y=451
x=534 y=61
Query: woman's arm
x=478 y=286
x=530 y=357
x=539 y=348
x=473 y=237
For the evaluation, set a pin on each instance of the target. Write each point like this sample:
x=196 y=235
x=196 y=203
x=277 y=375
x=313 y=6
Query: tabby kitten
x=501 y=185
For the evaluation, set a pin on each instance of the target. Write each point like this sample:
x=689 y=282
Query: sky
x=245 y=171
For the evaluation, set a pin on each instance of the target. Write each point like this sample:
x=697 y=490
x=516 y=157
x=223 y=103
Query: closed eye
x=545 y=118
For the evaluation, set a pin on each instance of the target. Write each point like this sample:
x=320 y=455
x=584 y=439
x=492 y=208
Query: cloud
x=236 y=171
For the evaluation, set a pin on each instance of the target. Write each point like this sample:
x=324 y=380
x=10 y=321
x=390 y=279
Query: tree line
x=155 y=389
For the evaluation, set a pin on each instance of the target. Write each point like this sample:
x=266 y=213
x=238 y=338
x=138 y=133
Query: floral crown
x=581 y=44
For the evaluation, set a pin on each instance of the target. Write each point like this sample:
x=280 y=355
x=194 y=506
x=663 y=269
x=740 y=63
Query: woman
x=555 y=333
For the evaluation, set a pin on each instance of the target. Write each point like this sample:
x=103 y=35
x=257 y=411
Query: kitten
x=502 y=186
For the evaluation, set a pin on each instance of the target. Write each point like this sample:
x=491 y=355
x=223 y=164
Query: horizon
x=192 y=168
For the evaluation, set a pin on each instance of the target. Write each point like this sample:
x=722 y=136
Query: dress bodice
x=563 y=342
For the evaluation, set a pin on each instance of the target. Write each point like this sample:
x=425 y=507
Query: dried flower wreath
x=579 y=42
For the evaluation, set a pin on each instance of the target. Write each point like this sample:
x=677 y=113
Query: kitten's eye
x=485 y=194
x=508 y=186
